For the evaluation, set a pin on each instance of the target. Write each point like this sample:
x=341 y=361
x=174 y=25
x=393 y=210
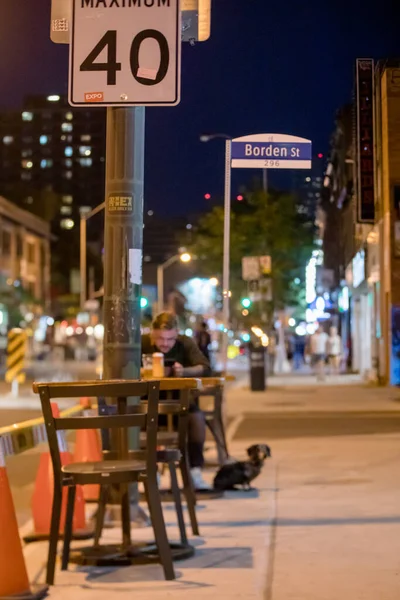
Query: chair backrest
x=170 y=406
x=122 y=418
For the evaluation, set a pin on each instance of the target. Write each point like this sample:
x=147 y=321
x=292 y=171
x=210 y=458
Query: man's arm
x=197 y=364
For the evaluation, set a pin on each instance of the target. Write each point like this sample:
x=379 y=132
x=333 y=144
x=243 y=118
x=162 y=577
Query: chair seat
x=104 y=467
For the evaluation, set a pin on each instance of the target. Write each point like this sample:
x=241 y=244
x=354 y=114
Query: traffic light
x=144 y=302
x=246 y=302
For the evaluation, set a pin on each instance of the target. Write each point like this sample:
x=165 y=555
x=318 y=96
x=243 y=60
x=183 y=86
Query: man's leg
x=196 y=440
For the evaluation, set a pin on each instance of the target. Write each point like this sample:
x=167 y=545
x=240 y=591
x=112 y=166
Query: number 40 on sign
x=125 y=52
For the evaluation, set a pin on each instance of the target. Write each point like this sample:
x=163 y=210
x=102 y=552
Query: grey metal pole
x=265 y=180
x=123 y=244
x=226 y=255
x=83 y=261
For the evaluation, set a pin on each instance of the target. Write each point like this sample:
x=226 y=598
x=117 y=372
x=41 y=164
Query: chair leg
x=189 y=495
x=68 y=526
x=54 y=533
x=176 y=492
x=101 y=511
x=158 y=523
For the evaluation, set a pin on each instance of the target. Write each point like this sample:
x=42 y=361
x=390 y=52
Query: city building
x=52 y=158
x=24 y=253
x=360 y=220
x=52 y=163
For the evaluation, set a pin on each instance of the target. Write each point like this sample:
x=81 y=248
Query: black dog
x=241 y=473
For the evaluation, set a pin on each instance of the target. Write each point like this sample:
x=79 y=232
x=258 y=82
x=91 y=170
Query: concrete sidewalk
x=230 y=562
x=336 y=531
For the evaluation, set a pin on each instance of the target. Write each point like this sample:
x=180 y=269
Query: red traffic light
x=240 y=198
x=207 y=196
x=320 y=155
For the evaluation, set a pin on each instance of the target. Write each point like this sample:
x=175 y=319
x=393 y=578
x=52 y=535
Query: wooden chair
x=174 y=453
x=119 y=472
x=214 y=387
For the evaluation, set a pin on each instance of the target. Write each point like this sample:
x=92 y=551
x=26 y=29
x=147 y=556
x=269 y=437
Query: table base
x=83 y=534
x=113 y=555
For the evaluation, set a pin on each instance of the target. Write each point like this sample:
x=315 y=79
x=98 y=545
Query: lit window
x=53 y=98
x=68 y=162
x=147 y=259
x=67 y=199
x=189 y=226
x=43 y=139
x=67 y=224
x=67 y=174
x=66 y=127
x=63 y=138
x=86 y=138
x=27 y=116
x=308 y=179
x=69 y=116
x=27 y=152
x=29 y=200
x=26 y=164
x=85 y=162
x=66 y=210
x=8 y=139
x=85 y=150
x=45 y=163
x=150 y=213
x=68 y=151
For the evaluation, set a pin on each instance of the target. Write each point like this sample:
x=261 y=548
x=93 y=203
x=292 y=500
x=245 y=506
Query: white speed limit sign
x=125 y=52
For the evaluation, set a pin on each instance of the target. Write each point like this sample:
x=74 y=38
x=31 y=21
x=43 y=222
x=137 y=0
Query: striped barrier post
x=16 y=351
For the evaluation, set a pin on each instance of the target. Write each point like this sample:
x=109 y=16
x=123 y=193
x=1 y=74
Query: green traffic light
x=246 y=302
x=143 y=302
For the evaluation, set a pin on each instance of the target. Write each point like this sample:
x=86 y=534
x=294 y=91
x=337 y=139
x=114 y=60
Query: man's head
x=165 y=331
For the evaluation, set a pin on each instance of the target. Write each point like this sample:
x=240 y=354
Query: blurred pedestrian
x=319 y=343
x=203 y=339
x=335 y=350
x=299 y=351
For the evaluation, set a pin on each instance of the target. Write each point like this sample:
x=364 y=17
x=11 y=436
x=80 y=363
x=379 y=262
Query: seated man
x=182 y=358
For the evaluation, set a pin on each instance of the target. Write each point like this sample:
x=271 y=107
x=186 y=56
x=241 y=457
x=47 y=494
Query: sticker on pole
x=125 y=53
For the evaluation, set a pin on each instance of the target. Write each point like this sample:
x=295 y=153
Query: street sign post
x=196 y=20
x=125 y=53
x=271 y=151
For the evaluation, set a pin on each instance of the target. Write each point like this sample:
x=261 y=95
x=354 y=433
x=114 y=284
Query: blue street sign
x=271 y=151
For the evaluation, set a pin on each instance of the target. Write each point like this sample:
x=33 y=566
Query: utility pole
x=123 y=243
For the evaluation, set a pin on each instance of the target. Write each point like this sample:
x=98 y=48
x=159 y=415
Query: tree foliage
x=263 y=224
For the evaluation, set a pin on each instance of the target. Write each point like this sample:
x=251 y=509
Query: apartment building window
x=31 y=253
x=6 y=242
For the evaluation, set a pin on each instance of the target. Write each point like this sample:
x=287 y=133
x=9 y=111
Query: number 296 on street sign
x=125 y=52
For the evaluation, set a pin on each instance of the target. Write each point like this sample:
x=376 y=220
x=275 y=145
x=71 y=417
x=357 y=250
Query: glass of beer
x=147 y=370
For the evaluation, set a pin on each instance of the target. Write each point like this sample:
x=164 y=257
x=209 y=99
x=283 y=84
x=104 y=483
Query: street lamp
x=184 y=257
x=226 y=294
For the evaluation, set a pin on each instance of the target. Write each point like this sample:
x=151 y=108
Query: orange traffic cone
x=13 y=575
x=42 y=498
x=88 y=449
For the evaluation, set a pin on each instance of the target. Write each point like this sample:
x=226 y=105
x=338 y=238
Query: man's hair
x=165 y=320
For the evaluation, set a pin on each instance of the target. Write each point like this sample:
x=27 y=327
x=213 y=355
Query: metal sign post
x=124 y=55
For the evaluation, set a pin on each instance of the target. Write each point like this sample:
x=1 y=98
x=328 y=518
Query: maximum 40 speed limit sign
x=125 y=52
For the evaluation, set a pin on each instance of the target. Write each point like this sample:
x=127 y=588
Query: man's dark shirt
x=185 y=352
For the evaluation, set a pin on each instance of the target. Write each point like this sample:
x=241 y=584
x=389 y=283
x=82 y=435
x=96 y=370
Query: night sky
x=273 y=67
